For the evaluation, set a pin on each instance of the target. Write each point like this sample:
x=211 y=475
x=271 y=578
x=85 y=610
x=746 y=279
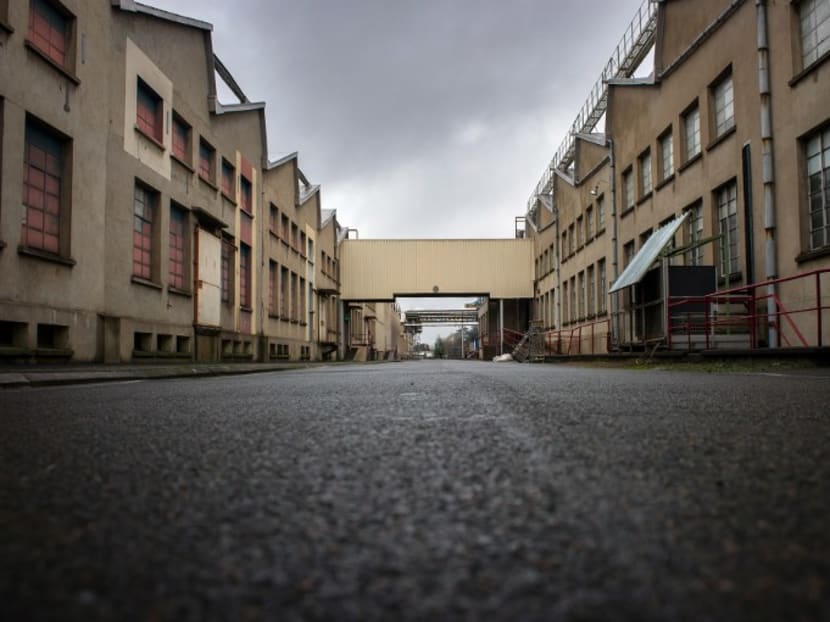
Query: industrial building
x=141 y=217
x=720 y=147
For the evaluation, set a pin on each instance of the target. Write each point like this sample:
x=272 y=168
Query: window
x=285 y=229
x=694 y=233
x=302 y=243
x=581 y=295
x=818 y=188
x=644 y=236
x=178 y=231
x=284 y=293
x=573 y=306
x=301 y=299
x=724 y=106
x=666 y=156
x=691 y=133
x=43 y=189
x=228 y=180
x=589 y=223
x=644 y=162
x=227 y=270
x=564 y=247
x=207 y=161
x=274 y=219
x=628 y=190
x=244 y=275
x=181 y=139
x=600 y=213
x=565 y=310
x=814 y=22
x=592 y=291
x=726 y=199
x=148 y=116
x=295 y=237
x=49 y=30
x=579 y=232
x=246 y=195
x=294 y=307
x=272 y=287
x=571 y=238
x=628 y=253
x=602 y=291
x=144 y=215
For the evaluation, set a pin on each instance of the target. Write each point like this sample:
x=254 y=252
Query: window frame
x=628 y=198
x=45 y=49
x=60 y=171
x=691 y=112
x=693 y=232
x=821 y=194
x=246 y=200
x=151 y=122
x=820 y=49
x=722 y=126
x=729 y=226
x=207 y=167
x=227 y=269
x=666 y=138
x=644 y=173
x=178 y=247
x=146 y=268
x=184 y=156
x=228 y=180
x=245 y=276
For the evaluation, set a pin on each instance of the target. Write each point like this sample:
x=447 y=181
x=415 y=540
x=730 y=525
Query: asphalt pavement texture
x=429 y=490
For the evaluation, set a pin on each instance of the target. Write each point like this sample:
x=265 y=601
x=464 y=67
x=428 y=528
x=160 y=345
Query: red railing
x=708 y=320
x=567 y=341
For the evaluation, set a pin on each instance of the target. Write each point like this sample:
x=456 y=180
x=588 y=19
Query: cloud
x=419 y=119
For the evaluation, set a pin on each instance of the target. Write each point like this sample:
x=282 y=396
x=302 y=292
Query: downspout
x=612 y=185
x=768 y=171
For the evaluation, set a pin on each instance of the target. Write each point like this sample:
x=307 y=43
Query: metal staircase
x=629 y=53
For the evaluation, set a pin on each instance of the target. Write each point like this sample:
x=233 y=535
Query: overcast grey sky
x=420 y=119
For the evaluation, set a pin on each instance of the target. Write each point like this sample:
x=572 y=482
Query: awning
x=646 y=256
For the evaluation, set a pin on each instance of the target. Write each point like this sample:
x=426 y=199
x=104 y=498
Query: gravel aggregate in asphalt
x=430 y=490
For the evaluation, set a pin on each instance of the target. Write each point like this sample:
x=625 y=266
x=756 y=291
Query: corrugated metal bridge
x=381 y=270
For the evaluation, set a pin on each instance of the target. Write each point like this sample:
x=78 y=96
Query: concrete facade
x=721 y=129
x=173 y=236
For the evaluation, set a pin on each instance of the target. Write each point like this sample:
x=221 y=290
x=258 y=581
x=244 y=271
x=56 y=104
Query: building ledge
x=60 y=69
x=818 y=253
x=153 y=140
x=182 y=163
x=809 y=69
x=209 y=183
x=689 y=162
x=626 y=211
x=644 y=198
x=664 y=182
x=37 y=253
x=4 y=25
x=228 y=198
x=721 y=138
x=145 y=282
x=179 y=292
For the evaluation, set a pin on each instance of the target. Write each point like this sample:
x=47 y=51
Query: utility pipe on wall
x=767 y=169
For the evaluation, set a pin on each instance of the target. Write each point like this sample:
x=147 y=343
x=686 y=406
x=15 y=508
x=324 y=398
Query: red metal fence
x=745 y=310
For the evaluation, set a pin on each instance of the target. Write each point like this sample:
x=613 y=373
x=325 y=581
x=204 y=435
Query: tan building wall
x=701 y=46
x=205 y=294
x=384 y=269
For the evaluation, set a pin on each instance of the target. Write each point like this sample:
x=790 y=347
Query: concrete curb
x=46 y=378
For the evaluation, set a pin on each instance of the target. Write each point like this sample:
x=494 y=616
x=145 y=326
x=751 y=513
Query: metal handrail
x=574 y=336
x=707 y=321
x=630 y=51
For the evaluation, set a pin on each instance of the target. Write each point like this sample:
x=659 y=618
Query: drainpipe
x=768 y=171
x=612 y=185
x=557 y=292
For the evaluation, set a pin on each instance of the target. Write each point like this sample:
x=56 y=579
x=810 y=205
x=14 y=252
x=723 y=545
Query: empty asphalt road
x=419 y=491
